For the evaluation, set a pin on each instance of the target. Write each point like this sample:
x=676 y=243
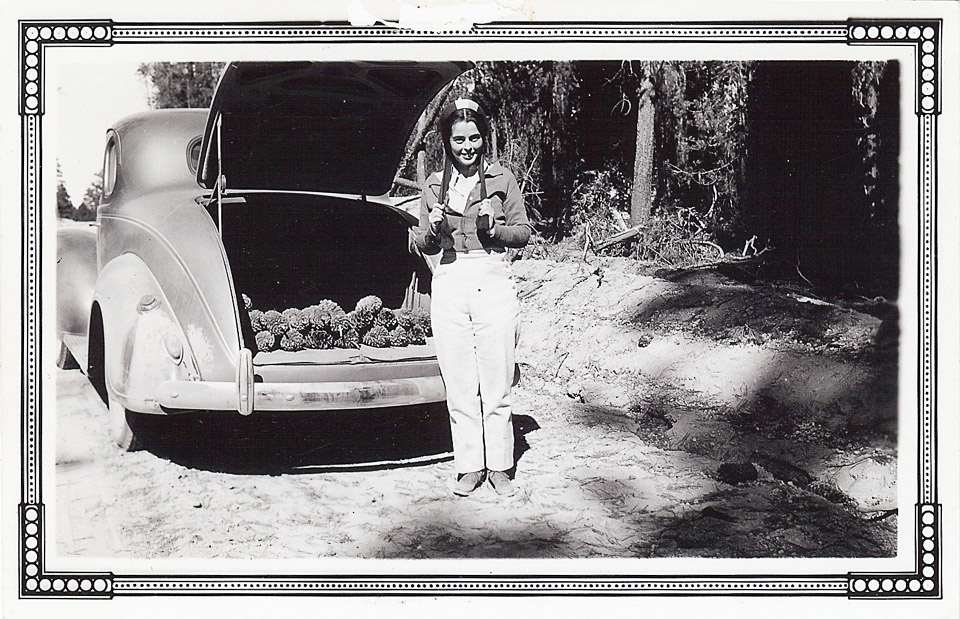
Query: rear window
x=193 y=153
x=110 y=164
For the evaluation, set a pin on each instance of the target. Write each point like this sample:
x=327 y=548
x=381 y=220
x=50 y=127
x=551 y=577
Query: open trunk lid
x=331 y=127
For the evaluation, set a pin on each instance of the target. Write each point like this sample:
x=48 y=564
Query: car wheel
x=123 y=426
x=65 y=360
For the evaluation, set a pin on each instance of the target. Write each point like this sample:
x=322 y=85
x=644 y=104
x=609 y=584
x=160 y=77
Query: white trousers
x=475 y=317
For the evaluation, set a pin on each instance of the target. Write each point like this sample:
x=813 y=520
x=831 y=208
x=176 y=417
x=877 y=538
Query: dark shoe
x=502 y=483
x=467 y=483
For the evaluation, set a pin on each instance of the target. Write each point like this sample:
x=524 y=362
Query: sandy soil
x=682 y=415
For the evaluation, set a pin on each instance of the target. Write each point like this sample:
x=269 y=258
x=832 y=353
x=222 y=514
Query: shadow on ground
x=274 y=443
x=794 y=523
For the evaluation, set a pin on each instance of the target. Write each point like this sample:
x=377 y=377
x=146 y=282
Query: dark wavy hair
x=463 y=115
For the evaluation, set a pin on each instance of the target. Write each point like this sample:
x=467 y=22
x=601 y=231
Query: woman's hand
x=485 y=208
x=436 y=216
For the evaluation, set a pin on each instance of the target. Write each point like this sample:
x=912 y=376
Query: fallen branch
x=802 y=276
x=618 y=238
x=564 y=358
x=710 y=244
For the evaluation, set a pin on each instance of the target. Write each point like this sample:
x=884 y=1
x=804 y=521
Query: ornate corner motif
x=34 y=582
x=35 y=36
x=924 y=582
x=925 y=36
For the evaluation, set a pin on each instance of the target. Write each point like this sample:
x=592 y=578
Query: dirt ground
x=682 y=414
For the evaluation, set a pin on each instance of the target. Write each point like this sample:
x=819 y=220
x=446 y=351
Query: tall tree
x=181 y=84
x=639 y=82
x=65 y=208
x=689 y=141
x=87 y=211
x=641 y=194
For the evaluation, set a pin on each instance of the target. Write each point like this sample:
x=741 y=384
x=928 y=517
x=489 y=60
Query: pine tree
x=65 y=208
x=181 y=84
x=87 y=211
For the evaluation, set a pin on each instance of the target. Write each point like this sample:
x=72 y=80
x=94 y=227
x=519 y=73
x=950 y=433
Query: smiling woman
x=471 y=215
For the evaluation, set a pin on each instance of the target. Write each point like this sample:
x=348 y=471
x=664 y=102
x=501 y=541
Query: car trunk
x=294 y=250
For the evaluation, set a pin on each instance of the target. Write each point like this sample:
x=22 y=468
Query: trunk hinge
x=221 y=186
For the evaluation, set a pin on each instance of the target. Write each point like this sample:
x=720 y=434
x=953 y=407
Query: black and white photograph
x=511 y=308
x=705 y=257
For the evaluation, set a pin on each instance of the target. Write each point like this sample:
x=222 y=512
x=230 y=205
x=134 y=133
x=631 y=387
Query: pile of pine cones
x=326 y=325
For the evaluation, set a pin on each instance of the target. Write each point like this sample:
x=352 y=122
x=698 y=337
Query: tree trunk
x=641 y=196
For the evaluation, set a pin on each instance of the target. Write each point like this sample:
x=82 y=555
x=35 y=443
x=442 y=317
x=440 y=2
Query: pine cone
x=318 y=339
x=323 y=313
x=415 y=335
x=370 y=303
x=256 y=321
x=399 y=338
x=274 y=322
x=341 y=323
x=266 y=341
x=296 y=319
x=378 y=337
x=421 y=318
x=292 y=341
x=386 y=319
x=362 y=318
x=367 y=309
x=347 y=339
x=405 y=318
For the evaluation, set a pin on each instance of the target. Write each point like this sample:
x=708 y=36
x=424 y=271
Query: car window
x=110 y=164
x=193 y=153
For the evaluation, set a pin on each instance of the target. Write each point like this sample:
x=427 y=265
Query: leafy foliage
x=91 y=199
x=180 y=84
x=706 y=171
x=64 y=204
x=699 y=139
x=87 y=211
x=601 y=206
x=865 y=89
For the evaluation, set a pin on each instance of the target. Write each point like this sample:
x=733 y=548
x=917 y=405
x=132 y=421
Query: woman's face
x=465 y=143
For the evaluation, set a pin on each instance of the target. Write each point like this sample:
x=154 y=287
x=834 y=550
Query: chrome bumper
x=202 y=395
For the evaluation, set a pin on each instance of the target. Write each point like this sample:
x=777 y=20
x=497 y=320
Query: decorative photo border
x=36 y=581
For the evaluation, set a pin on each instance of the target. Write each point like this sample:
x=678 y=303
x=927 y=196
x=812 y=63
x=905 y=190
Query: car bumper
x=204 y=395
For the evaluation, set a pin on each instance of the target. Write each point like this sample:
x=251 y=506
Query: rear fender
x=143 y=342
x=76 y=279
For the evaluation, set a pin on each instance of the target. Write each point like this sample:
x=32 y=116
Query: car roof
x=155 y=150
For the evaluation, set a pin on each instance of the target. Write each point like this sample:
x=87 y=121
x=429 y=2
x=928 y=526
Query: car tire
x=65 y=360
x=124 y=428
